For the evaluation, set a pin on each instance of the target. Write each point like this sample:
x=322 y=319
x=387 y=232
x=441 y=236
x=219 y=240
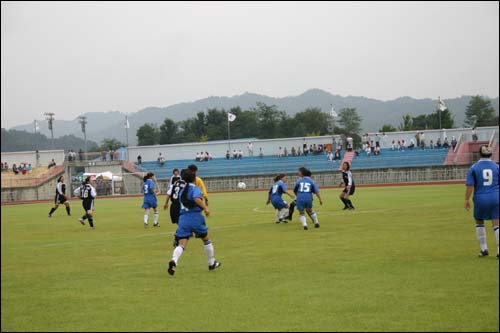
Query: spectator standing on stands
x=304 y=148
x=299 y=152
x=103 y=155
x=37 y=156
x=349 y=143
x=198 y=157
x=417 y=136
x=235 y=154
x=261 y=153
x=111 y=155
x=240 y=154
x=334 y=144
x=15 y=169
x=453 y=142
x=286 y=152
x=250 y=149
x=445 y=143
x=280 y=152
x=294 y=153
x=139 y=159
x=80 y=154
x=422 y=140
x=474 y=134
x=336 y=156
x=29 y=168
x=432 y=144
x=228 y=155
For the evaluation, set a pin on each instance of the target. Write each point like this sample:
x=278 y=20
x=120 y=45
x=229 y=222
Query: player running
x=87 y=194
x=192 y=221
x=149 y=191
x=483 y=180
x=304 y=189
x=61 y=197
x=349 y=186
x=275 y=197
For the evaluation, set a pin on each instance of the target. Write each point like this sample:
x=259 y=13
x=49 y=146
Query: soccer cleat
x=278 y=222
x=50 y=215
x=156 y=225
x=285 y=220
x=351 y=208
x=81 y=221
x=316 y=225
x=498 y=256
x=306 y=228
x=91 y=228
x=171 y=267
x=484 y=253
x=145 y=225
x=345 y=208
x=214 y=266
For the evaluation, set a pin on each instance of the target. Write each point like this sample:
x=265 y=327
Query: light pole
x=83 y=121
x=49 y=116
x=127 y=126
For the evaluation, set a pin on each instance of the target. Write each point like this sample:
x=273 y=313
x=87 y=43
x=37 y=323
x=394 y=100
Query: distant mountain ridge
x=374 y=112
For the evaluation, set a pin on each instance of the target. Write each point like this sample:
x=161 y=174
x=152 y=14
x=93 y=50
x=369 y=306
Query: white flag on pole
x=231 y=117
x=127 y=124
x=333 y=113
x=441 y=104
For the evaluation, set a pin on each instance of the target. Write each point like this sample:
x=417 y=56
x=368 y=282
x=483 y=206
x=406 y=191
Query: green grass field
x=405 y=260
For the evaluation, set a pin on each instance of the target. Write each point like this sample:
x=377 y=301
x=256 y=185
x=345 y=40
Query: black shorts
x=175 y=212
x=59 y=199
x=351 y=190
x=88 y=205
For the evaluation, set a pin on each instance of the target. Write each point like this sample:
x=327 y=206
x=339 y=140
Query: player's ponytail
x=148 y=175
x=279 y=177
x=305 y=172
x=59 y=179
x=189 y=177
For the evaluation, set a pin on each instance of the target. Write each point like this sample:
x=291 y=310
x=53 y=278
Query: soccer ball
x=242 y=185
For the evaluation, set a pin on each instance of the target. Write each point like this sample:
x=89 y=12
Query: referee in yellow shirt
x=199 y=182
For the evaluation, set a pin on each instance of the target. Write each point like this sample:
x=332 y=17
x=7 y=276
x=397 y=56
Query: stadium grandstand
x=394 y=164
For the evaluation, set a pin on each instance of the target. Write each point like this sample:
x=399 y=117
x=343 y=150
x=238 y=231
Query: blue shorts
x=190 y=223
x=304 y=204
x=279 y=203
x=486 y=207
x=149 y=203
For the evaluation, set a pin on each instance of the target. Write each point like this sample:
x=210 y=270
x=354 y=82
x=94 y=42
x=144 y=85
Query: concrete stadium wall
x=30 y=157
x=45 y=191
x=361 y=177
x=187 y=151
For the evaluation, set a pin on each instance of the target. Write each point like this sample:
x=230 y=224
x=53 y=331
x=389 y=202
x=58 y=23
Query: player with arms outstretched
x=275 y=197
x=304 y=189
x=482 y=179
x=149 y=191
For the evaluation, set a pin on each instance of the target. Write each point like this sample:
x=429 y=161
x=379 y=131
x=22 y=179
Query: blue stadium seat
x=272 y=165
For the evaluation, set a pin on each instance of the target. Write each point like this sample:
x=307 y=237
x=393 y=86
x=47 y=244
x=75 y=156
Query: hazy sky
x=71 y=58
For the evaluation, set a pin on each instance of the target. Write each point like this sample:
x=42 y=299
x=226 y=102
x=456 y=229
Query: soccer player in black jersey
x=349 y=186
x=61 y=197
x=87 y=194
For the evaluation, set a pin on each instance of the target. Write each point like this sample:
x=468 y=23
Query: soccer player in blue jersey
x=192 y=221
x=304 y=189
x=149 y=191
x=482 y=179
x=275 y=197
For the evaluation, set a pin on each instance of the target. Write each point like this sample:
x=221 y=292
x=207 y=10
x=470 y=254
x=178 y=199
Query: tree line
x=479 y=112
x=261 y=122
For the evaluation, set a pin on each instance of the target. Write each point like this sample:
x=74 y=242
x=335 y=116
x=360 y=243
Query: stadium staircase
x=273 y=165
x=348 y=157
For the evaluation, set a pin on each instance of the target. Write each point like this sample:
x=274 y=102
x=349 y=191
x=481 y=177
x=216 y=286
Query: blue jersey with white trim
x=304 y=188
x=483 y=175
x=148 y=188
x=277 y=190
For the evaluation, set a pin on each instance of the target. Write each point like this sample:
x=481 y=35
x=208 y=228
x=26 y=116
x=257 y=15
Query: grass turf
x=405 y=260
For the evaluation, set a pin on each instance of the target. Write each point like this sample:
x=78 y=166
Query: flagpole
x=228 y=135
x=126 y=133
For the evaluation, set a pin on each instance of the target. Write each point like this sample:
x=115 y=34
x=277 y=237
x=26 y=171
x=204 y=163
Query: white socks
x=314 y=217
x=156 y=214
x=277 y=215
x=495 y=230
x=146 y=216
x=481 y=236
x=303 y=220
x=284 y=213
x=209 y=251
x=177 y=253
